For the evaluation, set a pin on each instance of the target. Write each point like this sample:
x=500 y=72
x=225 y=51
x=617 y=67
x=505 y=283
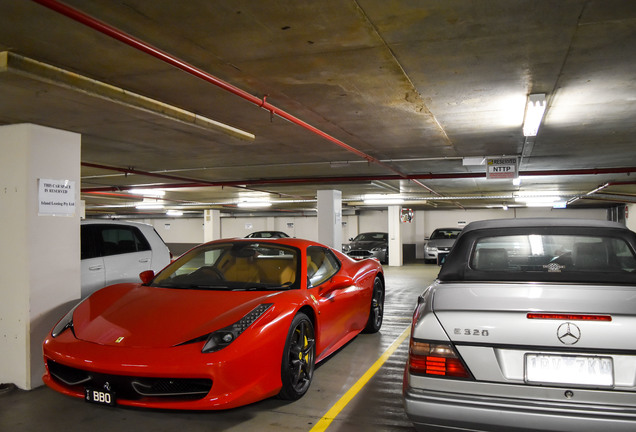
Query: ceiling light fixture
x=149 y=206
x=384 y=185
x=156 y=193
x=534 y=114
x=539 y=201
x=174 y=213
x=473 y=160
x=386 y=200
x=254 y=204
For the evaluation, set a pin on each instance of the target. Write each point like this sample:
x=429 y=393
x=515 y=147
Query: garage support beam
x=211 y=225
x=395 y=235
x=330 y=218
x=40 y=257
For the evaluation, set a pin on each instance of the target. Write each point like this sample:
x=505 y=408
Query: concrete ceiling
x=384 y=97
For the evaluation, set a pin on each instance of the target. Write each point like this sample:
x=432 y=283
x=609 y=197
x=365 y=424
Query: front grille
x=359 y=253
x=129 y=387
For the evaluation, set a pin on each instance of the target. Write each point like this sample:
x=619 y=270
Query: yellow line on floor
x=330 y=416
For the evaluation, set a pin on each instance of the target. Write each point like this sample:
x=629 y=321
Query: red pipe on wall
x=119 y=35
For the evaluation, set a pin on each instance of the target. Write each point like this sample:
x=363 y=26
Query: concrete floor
x=376 y=407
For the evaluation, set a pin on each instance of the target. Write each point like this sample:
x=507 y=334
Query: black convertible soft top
x=458 y=267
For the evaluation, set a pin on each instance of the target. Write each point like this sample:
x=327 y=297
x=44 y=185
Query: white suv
x=117 y=251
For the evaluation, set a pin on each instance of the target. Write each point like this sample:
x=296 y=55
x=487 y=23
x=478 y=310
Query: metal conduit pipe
x=306 y=180
x=121 y=36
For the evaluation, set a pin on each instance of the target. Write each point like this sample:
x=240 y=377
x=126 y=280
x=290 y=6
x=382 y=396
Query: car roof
x=113 y=222
x=540 y=222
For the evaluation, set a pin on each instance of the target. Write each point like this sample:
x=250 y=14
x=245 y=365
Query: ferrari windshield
x=233 y=266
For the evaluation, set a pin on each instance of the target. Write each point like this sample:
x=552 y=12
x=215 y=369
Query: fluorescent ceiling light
x=383 y=185
x=539 y=201
x=148 y=192
x=149 y=206
x=254 y=204
x=474 y=160
x=174 y=213
x=516 y=181
x=386 y=200
x=534 y=114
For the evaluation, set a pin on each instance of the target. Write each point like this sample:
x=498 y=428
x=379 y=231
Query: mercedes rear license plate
x=569 y=369
x=99 y=396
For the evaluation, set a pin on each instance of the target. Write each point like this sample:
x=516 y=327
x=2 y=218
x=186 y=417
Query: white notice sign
x=56 y=197
x=502 y=167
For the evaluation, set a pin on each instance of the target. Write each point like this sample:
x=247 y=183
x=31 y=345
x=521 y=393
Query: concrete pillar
x=395 y=236
x=330 y=218
x=211 y=225
x=270 y=224
x=40 y=257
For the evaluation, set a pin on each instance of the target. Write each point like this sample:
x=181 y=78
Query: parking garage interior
x=210 y=119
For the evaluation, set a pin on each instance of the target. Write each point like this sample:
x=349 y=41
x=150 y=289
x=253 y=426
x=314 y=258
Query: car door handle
x=96 y=267
x=144 y=260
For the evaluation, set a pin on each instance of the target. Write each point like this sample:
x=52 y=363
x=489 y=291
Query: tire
x=376 y=313
x=299 y=356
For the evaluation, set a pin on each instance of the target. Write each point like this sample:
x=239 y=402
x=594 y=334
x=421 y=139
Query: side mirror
x=340 y=281
x=146 y=276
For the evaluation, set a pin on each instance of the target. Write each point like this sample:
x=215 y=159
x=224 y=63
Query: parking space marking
x=333 y=412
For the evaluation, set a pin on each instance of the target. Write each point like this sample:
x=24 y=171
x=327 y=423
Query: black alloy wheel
x=377 y=308
x=297 y=368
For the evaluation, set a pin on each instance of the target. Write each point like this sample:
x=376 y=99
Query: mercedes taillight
x=436 y=359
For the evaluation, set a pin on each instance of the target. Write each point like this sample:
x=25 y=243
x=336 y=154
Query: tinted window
x=117 y=240
x=372 y=237
x=321 y=265
x=445 y=234
x=89 y=245
x=552 y=254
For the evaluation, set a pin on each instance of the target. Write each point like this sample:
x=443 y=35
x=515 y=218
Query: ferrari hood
x=144 y=316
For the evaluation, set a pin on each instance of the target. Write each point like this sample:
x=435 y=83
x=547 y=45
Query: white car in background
x=439 y=244
x=117 y=251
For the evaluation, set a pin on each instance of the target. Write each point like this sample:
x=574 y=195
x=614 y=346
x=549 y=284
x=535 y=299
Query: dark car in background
x=529 y=326
x=267 y=234
x=439 y=244
x=369 y=245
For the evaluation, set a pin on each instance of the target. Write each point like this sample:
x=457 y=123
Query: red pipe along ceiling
x=121 y=36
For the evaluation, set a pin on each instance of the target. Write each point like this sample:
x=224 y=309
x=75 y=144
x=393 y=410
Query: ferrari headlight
x=65 y=323
x=225 y=336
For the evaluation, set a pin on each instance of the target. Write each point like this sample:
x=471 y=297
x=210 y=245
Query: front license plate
x=565 y=369
x=98 y=396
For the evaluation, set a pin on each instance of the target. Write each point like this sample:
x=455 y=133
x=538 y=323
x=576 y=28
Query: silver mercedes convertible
x=530 y=325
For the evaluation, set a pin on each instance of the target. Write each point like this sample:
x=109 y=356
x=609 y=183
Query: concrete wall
x=40 y=263
x=190 y=231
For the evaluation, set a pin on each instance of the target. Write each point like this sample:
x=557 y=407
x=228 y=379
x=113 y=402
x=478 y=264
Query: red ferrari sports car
x=229 y=323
